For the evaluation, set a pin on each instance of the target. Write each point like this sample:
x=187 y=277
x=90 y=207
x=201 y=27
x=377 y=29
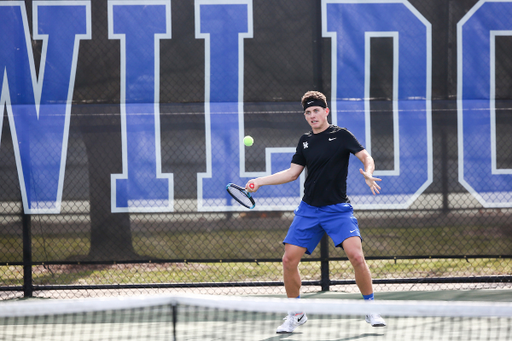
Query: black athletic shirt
x=325 y=156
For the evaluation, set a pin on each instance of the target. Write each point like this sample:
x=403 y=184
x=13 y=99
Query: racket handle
x=251 y=185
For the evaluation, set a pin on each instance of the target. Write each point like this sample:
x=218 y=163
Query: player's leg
x=291 y=275
x=292 y=283
x=341 y=225
x=354 y=250
x=303 y=236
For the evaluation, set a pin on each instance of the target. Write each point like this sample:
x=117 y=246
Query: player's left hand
x=371 y=181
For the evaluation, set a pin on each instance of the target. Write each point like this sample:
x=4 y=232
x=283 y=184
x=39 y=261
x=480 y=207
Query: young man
x=325 y=207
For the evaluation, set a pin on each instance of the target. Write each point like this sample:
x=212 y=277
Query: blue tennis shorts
x=310 y=224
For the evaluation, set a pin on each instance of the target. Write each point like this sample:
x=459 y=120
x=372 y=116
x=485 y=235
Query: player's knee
x=286 y=261
x=289 y=263
x=357 y=259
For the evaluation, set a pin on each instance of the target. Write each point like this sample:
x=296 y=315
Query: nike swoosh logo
x=310 y=102
x=352 y=231
x=300 y=319
x=332 y=139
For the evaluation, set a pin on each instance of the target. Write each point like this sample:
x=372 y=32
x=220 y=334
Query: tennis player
x=325 y=207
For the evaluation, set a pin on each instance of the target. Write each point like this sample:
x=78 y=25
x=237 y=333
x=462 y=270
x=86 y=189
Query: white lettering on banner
x=224 y=123
x=39 y=108
x=350 y=25
x=39 y=105
x=476 y=92
x=140 y=25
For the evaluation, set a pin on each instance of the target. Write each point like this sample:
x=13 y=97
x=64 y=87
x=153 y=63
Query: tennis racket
x=241 y=195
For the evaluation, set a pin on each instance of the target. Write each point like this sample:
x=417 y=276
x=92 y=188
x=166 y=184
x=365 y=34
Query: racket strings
x=240 y=196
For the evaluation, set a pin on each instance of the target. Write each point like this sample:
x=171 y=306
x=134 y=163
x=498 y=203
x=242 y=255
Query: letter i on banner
x=224 y=24
x=140 y=25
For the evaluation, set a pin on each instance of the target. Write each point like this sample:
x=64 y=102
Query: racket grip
x=251 y=185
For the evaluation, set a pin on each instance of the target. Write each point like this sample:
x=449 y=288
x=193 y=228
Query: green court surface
x=402 y=328
x=200 y=322
x=487 y=295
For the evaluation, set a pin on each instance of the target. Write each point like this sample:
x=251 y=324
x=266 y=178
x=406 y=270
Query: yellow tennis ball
x=248 y=141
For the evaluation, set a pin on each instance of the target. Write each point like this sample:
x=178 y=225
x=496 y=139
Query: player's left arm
x=369 y=168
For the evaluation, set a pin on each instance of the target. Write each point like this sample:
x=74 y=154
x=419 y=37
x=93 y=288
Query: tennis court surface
x=445 y=315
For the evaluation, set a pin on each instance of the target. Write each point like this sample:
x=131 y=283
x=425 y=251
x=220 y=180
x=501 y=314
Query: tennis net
x=201 y=317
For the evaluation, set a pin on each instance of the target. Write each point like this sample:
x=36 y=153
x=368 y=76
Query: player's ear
x=327 y=110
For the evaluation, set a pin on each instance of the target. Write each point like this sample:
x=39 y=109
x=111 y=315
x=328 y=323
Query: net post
x=174 y=307
x=27 y=256
x=324 y=263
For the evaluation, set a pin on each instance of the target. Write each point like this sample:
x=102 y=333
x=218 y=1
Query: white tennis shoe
x=375 y=320
x=292 y=321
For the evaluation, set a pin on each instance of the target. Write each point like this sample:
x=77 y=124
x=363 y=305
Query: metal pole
x=27 y=256
x=318 y=48
x=324 y=263
x=444 y=169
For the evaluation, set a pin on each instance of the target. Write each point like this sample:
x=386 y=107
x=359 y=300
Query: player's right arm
x=278 y=178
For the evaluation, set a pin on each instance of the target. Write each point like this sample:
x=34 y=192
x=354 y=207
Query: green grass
x=243 y=272
x=435 y=241
x=266 y=244
x=219 y=246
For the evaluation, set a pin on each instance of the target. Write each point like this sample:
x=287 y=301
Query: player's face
x=317 y=118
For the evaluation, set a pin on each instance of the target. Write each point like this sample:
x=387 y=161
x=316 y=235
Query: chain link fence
x=446 y=239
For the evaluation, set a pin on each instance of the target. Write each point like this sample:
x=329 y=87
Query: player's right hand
x=251 y=186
